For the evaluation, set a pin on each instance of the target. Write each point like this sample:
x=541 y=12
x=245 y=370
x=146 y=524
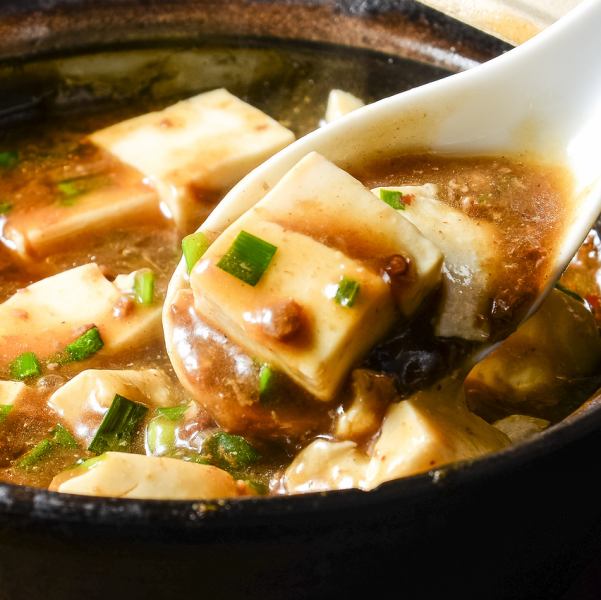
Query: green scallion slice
x=161 y=436
x=230 y=452
x=569 y=292
x=144 y=287
x=8 y=159
x=24 y=366
x=5 y=208
x=4 y=411
x=347 y=292
x=118 y=426
x=193 y=247
x=173 y=413
x=40 y=451
x=248 y=258
x=85 y=345
x=392 y=198
x=265 y=380
x=62 y=437
x=258 y=487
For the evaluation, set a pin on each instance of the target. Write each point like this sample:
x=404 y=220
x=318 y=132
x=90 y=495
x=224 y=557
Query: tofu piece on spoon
x=471 y=256
x=195 y=150
x=331 y=241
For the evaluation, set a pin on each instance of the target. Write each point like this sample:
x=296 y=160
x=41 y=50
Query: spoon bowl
x=539 y=100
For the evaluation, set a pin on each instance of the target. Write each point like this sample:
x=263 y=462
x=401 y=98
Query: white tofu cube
x=195 y=150
x=41 y=230
x=83 y=401
x=471 y=250
x=325 y=465
x=122 y=475
x=11 y=392
x=341 y=103
x=325 y=226
x=430 y=429
x=48 y=315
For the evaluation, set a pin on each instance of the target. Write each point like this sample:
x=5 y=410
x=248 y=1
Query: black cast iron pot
x=518 y=524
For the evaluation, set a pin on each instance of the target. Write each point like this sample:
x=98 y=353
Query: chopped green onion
x=193 y=247
x=258 y=486
x=347 y=292
x=144 y=287
x=85 y=345
x=161 y=436
x=4 y=411
x=118 y=426
x=248 y=258
x=91 y=462
x=230 y=452
x=265 y=379
x=194 y=457
x=5 y=208
x=174 y=413
x=569 y=292
x=392 y=198
x=36 y=454
x=70 y=189
x=24 y=366
x=8 y=159
x=62 y=437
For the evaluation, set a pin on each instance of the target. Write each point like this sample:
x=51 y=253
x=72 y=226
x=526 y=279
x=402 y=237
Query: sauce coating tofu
x=82 y=402
x=47 y=315
x=471 y=250
x=40 y=230
x=342 y=234
x=195 y=150
x=123 y=475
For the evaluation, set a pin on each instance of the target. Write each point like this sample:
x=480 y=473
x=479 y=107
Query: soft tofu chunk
x=196 y=149
x=325 y=226
x=49 y=314
x=334 y=336
x=341 y=103
x=82 y=402
x=325 y=465
x=471 y=256
x=11 y=391
x=430 y=429
x=40 y=230
x=521 y=427
x=122 y=475
x=320 y=200
x=528 y=373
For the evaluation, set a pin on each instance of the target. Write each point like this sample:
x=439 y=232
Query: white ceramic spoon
x=543 y=98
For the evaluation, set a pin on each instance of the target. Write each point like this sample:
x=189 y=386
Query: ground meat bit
x=396 y=266
x=281 y=320
x=123 y=307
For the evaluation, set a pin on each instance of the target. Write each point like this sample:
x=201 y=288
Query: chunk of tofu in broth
x=38 y=231
x=341 y=103
x=430 y=429
x=82 y=402
x=195 y=150
x=122 y=475
x=11 y=392
x=327 y=229
x=530 y=371
x=471 y=256
x=46 y=316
